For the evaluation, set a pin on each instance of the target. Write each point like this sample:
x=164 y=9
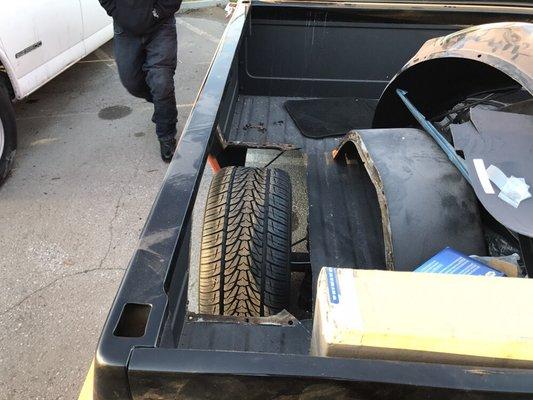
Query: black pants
x=146 y=66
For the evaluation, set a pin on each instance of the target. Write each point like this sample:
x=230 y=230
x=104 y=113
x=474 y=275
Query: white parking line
x=102 y=55
x=198 y=31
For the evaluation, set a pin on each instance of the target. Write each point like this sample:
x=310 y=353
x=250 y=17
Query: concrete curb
x=199 y=4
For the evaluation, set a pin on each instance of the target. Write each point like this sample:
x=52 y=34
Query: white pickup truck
x=39 y=39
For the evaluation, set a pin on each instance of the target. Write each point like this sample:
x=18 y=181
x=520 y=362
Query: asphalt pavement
x=86 y=174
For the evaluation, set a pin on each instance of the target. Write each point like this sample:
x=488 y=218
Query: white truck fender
x=4 y=62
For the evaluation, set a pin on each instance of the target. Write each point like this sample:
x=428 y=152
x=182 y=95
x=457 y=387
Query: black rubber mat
x=320 y=118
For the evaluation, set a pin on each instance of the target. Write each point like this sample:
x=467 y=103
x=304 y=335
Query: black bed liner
x=262 y=121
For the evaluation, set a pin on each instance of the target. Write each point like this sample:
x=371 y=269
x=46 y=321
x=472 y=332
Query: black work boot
x=168 y=146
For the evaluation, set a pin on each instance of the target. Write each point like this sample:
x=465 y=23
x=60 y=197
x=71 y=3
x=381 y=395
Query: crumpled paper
x=513 y=190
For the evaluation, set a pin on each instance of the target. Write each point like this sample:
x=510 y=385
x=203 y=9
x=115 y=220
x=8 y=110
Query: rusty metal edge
x=355 y=138
x=283 y=318
x=267 y=146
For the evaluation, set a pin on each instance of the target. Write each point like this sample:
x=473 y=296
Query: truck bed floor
x=264 y=122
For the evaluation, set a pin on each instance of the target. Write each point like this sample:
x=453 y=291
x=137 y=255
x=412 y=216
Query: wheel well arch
x=4 y=78
x=435 y=85
x=448 y=69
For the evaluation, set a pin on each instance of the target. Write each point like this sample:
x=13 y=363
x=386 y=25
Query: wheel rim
x=2 y=136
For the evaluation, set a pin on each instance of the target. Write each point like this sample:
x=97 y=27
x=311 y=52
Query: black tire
x=245 y=252
x=8 y=132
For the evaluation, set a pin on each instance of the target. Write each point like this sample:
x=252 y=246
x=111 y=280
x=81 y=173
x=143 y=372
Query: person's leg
x=160 y=67
x=130 y=58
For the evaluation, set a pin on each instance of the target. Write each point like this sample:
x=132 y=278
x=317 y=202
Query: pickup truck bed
x=151 y=346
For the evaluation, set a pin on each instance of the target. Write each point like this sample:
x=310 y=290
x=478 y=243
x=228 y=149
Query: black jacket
x=140 y=16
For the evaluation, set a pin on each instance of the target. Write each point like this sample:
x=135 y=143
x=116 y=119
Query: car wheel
x=8 y=133
x=245 y=254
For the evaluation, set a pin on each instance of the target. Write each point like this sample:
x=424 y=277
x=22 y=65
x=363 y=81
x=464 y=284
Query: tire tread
x=245 y=250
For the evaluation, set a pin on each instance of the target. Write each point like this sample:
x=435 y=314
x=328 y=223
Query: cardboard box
x=450 y=261
x=472 y=320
